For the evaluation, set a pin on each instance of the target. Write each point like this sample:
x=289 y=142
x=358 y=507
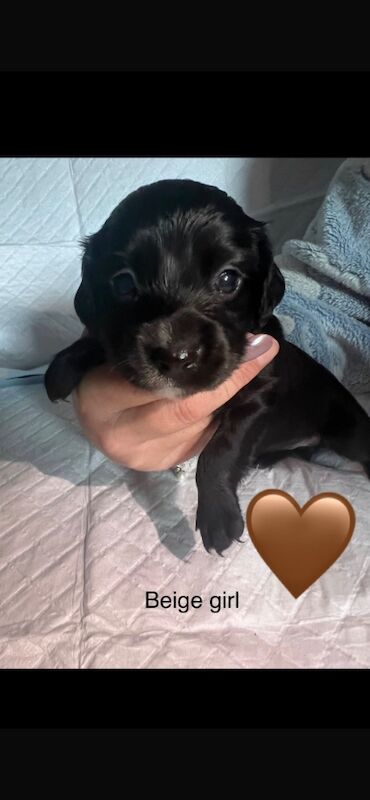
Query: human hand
x=139 y=430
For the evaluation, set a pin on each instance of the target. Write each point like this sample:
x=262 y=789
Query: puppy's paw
x=220 y=522
x=70 y=365
x=61 y=377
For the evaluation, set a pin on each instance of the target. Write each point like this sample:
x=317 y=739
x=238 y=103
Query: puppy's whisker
x=116 y=366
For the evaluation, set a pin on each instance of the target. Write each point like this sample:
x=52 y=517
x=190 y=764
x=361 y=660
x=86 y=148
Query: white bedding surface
x=81 y=539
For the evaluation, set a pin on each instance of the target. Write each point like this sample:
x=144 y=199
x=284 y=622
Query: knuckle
x=111 y=445
x=229 y=389
x=133 y=457
x=184 y=412
x=241 y=377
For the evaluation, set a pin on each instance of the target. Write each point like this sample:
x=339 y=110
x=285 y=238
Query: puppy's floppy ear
x=84 y=300
x=272 y=293
x=84 y=304
x=273 y=286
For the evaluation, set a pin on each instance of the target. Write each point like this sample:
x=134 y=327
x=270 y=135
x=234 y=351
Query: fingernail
x=257 y=345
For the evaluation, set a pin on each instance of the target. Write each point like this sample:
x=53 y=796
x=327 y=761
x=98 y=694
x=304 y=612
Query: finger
x=191 y=409
x=107 y=393
x=177 y=453
x=148 y=425
x=200 y=444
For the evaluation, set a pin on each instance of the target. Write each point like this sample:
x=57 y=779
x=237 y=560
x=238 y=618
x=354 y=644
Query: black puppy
x=171 y=284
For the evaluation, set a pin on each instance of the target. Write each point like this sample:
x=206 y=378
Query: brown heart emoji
x=299 y=544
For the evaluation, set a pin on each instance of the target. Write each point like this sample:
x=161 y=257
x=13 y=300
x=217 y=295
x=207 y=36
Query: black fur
x=176 y=334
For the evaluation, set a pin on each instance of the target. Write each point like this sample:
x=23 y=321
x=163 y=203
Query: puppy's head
x=171 y=284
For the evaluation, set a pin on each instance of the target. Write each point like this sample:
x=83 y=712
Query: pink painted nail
x=257 y=345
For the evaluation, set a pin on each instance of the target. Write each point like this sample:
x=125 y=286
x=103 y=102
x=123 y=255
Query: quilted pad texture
x=81 y=539
x=47 y=205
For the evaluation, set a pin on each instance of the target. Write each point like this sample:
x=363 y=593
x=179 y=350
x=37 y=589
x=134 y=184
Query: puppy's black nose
x=173 y=359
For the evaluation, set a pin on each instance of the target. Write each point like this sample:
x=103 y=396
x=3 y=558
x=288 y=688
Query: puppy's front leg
x=218 y=516
x=232 y=450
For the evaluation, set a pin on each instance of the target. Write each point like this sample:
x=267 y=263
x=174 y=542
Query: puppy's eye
x=124 y=286
x=228 y=281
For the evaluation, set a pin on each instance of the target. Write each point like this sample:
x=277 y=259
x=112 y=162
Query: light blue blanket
x=326 y=307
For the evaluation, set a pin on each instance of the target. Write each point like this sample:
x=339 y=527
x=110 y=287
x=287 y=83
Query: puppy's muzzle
x=177 y=346
x=176 y=358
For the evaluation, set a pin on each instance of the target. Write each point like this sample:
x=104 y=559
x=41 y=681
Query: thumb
x=260 y=351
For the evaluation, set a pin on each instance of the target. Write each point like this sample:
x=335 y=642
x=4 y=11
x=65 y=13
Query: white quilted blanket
x=81 y=539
